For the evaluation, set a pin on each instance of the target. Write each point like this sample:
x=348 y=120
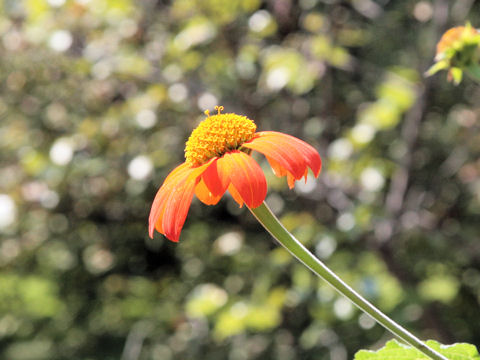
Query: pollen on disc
x=216 y=135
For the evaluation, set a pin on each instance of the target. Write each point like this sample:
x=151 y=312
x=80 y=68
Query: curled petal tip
x=173 y=238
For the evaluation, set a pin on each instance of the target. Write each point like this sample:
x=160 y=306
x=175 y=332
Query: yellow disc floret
x=216 y=135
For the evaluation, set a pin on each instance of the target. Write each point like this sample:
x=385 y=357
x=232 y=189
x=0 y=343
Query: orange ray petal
x=284 y=151
x=158 y=206
x=205 y=195
x=235 y=195
x=217 y=182
x=311 y=156
x=173 y=199
x=290 y=180
x=179 y=202
x=278 y=169
x=176 y=209
x=245 y=175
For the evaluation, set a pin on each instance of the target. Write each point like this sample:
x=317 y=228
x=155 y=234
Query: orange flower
x=217 y=158
x=452 y=36
x=458 y=51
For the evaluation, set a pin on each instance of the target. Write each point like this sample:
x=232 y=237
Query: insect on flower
x=217 y=158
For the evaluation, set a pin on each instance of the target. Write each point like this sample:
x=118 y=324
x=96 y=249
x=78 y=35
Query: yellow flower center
x=216 y=135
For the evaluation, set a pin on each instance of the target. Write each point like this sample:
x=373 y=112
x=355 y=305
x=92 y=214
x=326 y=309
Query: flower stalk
x=270 y=222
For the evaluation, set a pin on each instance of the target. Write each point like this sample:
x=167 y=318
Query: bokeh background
x=97 y=98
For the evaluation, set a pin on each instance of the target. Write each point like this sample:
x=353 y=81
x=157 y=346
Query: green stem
x=270 y=222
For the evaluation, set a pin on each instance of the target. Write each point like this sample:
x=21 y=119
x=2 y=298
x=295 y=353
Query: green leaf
x=474 y=72
x=393 y=350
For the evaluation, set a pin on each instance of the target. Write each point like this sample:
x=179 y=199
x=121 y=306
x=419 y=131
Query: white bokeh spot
x=146 y=118
x=61 y=152
x=340 y=149
x=140 y=167
x=259 y=20
x=8 y=211
x=372 y=179
x=60 y=40
x=277 y=78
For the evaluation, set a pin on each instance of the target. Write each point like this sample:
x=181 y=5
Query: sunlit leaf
x=394 y=350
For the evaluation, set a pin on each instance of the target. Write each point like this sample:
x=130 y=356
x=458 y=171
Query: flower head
x=458 y=50
x=216 y=135
x=454 y=40
x=217 y=159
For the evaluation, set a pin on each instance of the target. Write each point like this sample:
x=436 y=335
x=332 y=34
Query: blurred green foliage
x=97 y=99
